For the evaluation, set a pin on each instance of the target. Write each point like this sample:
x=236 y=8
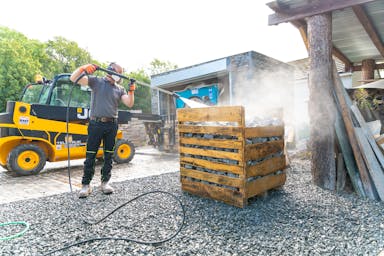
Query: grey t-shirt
x=105 y=97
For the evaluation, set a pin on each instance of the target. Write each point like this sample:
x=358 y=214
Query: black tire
x=124 y=151
x=26 y=159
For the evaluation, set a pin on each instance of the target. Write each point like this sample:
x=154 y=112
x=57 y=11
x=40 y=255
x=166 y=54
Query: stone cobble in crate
x=222 y=159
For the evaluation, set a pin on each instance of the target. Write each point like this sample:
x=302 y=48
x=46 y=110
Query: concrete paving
x=54 y=178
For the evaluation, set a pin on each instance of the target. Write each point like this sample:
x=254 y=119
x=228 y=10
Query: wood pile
x=362 y=156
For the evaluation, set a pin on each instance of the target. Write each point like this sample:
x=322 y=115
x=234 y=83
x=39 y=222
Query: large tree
x=17 y=65
x=157 y=66
x=66 y=55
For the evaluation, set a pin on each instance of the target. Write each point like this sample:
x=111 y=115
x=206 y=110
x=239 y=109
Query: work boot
x=85 y=191
x=106 y=188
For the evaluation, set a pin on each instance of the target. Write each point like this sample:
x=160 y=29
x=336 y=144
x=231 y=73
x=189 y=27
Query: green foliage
x=363 y=99
x=157 y=66
x=17 y=65
x=66 y=55
x=22 y=58
x=142 y=93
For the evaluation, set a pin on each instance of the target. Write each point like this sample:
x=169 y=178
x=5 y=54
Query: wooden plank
x=260 y=150
x=236 y=169
x=344 y=102
x=211 y=153
x=212 y=114
x=219 y=130
x=266 y=167
x=380 y=139
x=263 y=184
x=373 y=165
x=349 y=159
x=366 y=22
x=367 y=132
x=228 y=196
x=340 y=173
x=232 y=144
x=263 y=131
x=373 y=156
x=211 y=177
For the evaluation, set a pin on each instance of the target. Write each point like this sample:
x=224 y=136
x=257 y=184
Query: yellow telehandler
x=50 y=120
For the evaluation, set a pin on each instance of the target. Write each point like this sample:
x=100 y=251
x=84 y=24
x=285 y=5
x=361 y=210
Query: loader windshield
x=65 y=91
x=35 y=93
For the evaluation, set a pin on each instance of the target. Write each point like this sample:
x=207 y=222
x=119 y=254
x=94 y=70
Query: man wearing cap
x=105 y=98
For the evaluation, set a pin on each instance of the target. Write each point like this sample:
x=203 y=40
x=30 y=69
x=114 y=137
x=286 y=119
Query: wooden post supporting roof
x=321 y=104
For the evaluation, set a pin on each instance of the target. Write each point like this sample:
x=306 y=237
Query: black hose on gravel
x=126 y=239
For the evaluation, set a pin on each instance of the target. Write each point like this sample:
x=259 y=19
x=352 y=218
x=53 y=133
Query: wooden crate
x=218 y=161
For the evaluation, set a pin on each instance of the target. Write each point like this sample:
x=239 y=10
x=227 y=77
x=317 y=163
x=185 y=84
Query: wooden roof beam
x=369 y=28
x=337 y=53
x=315 y=7
x=377 y=66
x=302 y=27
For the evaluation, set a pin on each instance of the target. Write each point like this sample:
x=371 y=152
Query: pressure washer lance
x=139 y=82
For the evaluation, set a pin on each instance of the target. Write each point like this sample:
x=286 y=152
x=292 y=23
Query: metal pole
x=138 y=82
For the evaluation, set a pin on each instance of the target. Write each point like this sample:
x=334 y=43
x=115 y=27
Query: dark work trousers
x=97 y=132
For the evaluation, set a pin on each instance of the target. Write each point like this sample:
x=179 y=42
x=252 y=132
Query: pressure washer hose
x=119 y=207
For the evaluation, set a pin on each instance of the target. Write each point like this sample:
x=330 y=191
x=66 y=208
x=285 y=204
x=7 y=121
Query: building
x=253 y=80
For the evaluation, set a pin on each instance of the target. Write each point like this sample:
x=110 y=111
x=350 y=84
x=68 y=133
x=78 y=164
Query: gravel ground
x=299 y=219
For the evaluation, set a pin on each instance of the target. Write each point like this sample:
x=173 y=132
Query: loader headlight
x=22 y=109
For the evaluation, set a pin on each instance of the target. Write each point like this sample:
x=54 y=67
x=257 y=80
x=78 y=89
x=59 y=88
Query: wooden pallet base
x=233 y=197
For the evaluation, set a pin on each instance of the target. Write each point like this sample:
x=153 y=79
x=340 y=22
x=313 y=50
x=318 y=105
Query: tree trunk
x=321 y=104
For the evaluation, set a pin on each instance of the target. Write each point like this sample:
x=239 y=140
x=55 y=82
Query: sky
x=135 y=32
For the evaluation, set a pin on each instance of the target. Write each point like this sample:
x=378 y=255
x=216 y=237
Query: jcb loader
x=50 y=120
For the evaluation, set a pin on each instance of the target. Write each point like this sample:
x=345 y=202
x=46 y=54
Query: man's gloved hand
x=88 y=68
x=132 y=85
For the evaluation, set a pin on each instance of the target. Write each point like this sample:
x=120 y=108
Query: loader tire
x=124 y=151
x=26 y=159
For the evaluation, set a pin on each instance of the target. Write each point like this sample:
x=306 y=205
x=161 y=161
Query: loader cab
x=58 y=92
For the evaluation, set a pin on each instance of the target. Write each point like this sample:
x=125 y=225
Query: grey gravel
x=298 y=219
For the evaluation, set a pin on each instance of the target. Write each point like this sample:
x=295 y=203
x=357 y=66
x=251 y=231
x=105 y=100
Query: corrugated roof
x=184 y=75
x=349 y=24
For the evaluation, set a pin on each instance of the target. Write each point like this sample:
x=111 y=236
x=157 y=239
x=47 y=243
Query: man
x=105 y=97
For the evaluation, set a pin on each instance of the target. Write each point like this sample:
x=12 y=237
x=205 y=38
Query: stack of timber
x=361 y=152
x=221 y=159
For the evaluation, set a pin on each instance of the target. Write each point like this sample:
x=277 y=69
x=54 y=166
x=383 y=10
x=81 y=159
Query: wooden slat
x=233 y=144
x=380 y=139
x=263 y=131
x=345 y=103
x=372 y=165
x=219 y=130
x=211 y=177
x=266 y=167
x=211 y=153
x=349 y=159
x=260 y=150
x=236 y=169
x=263 y=184
x=373 y=156
x=212 y=114
x=369 y=28
x=340 y=173
x=213 y=192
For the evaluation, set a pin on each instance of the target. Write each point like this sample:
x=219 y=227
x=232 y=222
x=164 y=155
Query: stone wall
x=134 y=131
